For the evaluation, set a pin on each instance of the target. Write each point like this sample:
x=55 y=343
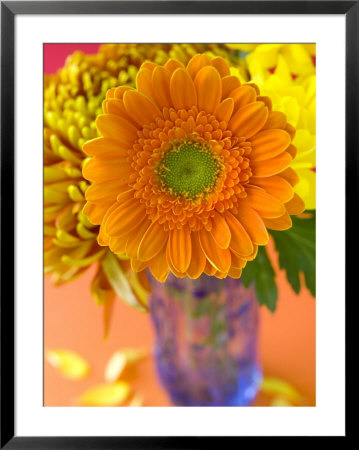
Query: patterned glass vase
x=206 y=341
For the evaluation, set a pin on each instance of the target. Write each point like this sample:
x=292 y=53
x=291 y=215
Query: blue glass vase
x=206 y=340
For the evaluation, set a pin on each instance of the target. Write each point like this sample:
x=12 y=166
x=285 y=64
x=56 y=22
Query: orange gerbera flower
x=190 y=171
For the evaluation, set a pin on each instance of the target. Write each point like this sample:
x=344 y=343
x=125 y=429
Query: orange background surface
x=73 y=321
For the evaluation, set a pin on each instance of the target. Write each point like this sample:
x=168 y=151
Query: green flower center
x=189 y=169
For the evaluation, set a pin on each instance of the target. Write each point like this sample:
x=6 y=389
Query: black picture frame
x=9 y=10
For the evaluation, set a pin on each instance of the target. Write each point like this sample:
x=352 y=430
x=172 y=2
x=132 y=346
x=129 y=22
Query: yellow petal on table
x=278 y=387
x=68 y=362
x=137 y=400
x=112 y=394
x=120 y=360
x=279 y=401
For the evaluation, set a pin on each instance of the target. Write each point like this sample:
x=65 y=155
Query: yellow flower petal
x=276 y=386
x=69 y=363
x=120 y=360
x=113 y=394
x=137 y=400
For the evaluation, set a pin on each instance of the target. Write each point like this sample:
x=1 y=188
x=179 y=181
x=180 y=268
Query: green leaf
x=261 y=273
x=296 y=248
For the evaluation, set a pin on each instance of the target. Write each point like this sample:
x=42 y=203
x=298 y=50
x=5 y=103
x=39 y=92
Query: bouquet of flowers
x=181 y=161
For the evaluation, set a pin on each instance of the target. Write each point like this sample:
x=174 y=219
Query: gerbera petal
x=291 y=130
x=140 y=108
x=109 y=169
x=237 y=262
x=102 y=190
x=135 y=239
x=229 y=84
x=220 y=231
x=221 y=65
x=247 y=121
x=117 y=128
x=170 y=264
x=116 y=106
x=242 y=96
x=125 y=218
x=254 y=253
x=152 y=242
x=117 y=244
x=172 y=65
x=234 y=272
x=253 y=224
x=109 y=211
x=196 y=63
x=290 y=175
x=159 y=266
x=295 y=205
x=218 y=257
x=209 y=269
x=125 y=194
x=95 y=212
x=266 y=205
x=161 y=78
x=276 y=186
x=292 y=151
x=120 y=91
x=209 y=89
x=276 y=120
x=144 y=82
x=180 y=248
x=110 y=93
x=102 y=145
x=268 y=144
x=183 y=91
x=224 y=110
x=220 y=275
x=240 y=243
x=198 y=259
x=102 y=238
x=149 y=65
x=280 y=223
x=266 y=100
x=271 y=166
x=255 y=87
x=138 y=266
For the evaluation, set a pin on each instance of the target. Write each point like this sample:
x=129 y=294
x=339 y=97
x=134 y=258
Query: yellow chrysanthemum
x=286 y=73
x=299 y=57
x=191 y=169
x=72 y=99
